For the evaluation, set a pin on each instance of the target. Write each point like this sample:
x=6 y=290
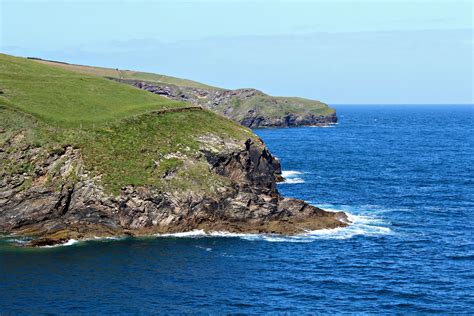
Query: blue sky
x=335 y=51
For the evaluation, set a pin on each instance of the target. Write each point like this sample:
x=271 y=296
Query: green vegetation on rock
x=123 y=139
x=275 y=107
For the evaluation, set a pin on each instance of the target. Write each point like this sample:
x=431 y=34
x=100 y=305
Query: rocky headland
x=59 y=199
x=84 y=157
x=249 y=107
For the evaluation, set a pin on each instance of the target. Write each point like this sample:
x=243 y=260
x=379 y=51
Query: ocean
x=405 y=176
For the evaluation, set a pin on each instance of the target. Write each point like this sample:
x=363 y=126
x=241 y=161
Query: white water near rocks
x=360 y=225
x=291 y=177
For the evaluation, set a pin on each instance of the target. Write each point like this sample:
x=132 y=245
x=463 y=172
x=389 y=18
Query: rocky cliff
x=82 y=156
x=56 y=198
x=249 y=107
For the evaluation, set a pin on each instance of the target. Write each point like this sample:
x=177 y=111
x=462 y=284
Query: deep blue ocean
x=405 y=175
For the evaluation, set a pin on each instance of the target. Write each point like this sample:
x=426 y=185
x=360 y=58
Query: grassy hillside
x=121 y=136
x=260 y=104
x=125 y=74
x=69 y=98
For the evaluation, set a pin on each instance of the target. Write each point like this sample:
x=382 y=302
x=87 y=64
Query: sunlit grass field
x=71 y=99
x=122 y=138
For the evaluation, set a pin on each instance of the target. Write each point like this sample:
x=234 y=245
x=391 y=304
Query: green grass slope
x=125 y=141
x=69 y=98
x=262 y=104
x=125 y=74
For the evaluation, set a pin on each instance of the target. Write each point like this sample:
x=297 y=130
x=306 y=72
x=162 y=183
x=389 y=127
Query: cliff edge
x=249 y=107
x=85 y=157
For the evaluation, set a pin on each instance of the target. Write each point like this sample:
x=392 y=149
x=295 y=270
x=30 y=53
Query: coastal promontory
x=249 y=107
x=83 y=156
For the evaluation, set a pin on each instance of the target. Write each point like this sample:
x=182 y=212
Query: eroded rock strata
x=56 y=199
x=226 y=102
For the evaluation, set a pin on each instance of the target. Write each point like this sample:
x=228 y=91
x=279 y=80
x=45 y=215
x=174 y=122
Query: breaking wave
x=291 y=177
x=290 y=173
x=293 y=181
x=71 y=242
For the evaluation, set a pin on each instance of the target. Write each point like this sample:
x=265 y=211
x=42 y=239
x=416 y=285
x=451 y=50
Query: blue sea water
x=403 y=173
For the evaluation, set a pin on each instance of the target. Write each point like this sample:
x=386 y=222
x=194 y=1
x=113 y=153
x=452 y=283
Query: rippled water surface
x=405 y=176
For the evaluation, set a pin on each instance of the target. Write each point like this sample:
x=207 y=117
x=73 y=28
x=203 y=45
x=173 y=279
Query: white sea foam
x=360 y=225
x=70 y=242
x=197 y=233
x=106 y=238
x=290 y=173
x=291 y=177
x=18 y=241
x=328 y=125
x=293 y=181
x=190 y=234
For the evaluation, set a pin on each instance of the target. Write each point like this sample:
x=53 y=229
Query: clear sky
x=418 y=51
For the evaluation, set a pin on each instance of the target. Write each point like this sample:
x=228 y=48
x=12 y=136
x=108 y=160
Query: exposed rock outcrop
x=227 y=103
x=53 y=197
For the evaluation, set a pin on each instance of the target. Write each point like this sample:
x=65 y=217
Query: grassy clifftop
x=69 y=98
x=127 y=136
x=249 y=107
x=125 y=74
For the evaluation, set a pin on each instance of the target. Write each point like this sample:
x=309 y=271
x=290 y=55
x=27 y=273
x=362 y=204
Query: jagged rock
x=59 y=200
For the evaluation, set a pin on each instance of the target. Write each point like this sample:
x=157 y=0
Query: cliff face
x=249 y=107
x=57 y=199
